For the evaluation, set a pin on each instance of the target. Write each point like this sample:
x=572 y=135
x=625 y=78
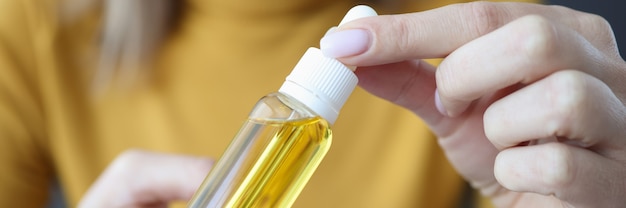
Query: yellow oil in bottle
x=269 y=172
x=286 y=136
x=287 y=163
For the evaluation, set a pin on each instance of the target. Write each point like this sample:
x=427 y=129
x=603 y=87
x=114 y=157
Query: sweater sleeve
x=24 y=168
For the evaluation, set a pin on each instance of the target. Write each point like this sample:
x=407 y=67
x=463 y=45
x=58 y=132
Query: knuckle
x=582 y=20
x=567 y=97
x=597 y=22
x=601 y=28
x=402 y=35
x=560 y=169
x=130 y=155
x=539 y=41
x=127 y=160
x=482 y=17
x=595 y=28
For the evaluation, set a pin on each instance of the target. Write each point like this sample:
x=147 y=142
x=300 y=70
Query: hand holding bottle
x=138 y=178
x=528 y=102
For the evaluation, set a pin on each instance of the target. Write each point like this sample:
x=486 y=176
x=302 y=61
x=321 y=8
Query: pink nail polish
x=330 y=31
x=345 y=43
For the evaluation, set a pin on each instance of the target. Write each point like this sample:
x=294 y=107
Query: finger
x=168 y=177
x=138 y=178
x=573 y=174
x=409 y=84
x=567 y=104
x=527 y=49
x=436 y=33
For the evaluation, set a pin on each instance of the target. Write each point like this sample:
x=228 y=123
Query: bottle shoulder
x=280 y=107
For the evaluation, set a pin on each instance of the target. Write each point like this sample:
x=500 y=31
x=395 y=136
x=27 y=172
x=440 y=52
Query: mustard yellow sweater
x=206 y=77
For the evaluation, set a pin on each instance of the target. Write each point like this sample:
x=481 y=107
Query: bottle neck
x=322 y=84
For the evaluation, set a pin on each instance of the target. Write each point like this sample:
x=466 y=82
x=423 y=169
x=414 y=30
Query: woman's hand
x=147 y=179
x=528 y=102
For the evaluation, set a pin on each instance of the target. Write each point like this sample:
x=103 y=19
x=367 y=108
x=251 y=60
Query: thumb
x=410 y=84
x=139 y=178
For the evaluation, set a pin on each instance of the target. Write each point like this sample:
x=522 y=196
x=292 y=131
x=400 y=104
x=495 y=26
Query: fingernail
x=439 y=105
x=330 y=31
x=345 y=43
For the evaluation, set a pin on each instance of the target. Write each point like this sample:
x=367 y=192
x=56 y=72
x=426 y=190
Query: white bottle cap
x=357 y=12
x=324 y=84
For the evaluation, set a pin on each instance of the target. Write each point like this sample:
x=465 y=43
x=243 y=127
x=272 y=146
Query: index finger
x=436 y=33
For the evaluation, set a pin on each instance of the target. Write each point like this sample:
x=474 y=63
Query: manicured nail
x=439 y=105
x=345 y=43
x=330 y=31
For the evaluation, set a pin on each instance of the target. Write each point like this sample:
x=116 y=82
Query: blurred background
x=610 y=10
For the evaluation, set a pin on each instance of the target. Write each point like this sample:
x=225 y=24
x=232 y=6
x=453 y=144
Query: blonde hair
x=132 y=30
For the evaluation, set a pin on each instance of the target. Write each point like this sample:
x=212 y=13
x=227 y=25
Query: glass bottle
x=285 y=137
